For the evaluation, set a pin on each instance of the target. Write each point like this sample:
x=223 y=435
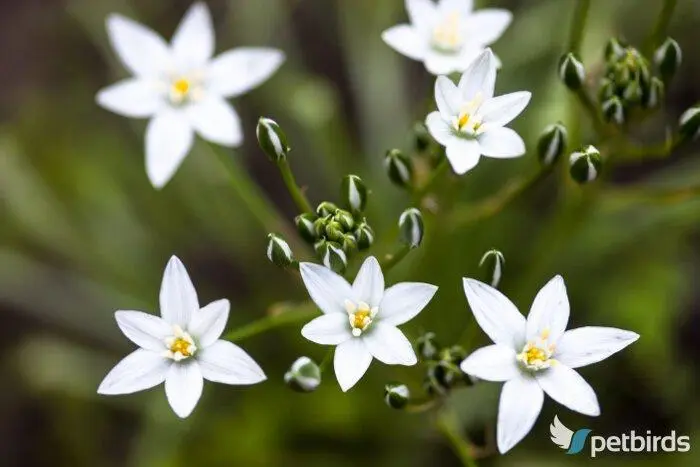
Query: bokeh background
x=83 y=233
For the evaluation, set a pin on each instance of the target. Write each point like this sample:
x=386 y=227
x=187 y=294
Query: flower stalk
x=295 y=192
x=280 y=316
x=447 y=425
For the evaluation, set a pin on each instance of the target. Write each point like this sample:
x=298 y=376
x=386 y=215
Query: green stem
x=422 y=405
x=429 y=184
x=578 y=25
x=285 y=317
x=296 y=193
x=395 y=258
x=448 y=427
x=659 y=31
x=326 y=360
x=589 y=105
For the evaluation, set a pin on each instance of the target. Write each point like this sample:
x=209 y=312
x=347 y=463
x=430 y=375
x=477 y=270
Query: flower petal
x=145 y=330
x=133 y=97
x=389 y=345
x=193 y=41
x=207 y=324
x=140 y=49
x=225 y=362
x=439 y=63
x=406 y=40
x=519 y=406
x=178 y=298
x=403 y=301
x=567 y=387
x=369 y=282
x=479 y=78
x=141 y=369
x=492 y=363
x=350 y=362
x=501 y=143
x=583 y=346
x=488 y=25
x=447 y=97
x=183 y=387
x=216 y=121
x=169 y=138
x=549 y=313
x=463 y=154
x=496 y=315
x=422 y=13
x=240 y=70
x=439 y=128
x=501 y=110
x=327 y=289
x=464 y=7
x=330 y=329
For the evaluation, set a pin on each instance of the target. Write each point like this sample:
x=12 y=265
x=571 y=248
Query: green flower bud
x=607 y=89
x=345 y=219
x=411 y=227
x=303 y=376
x=272 y=139
x=585 y=165
x=668 y=57
x=306 y=226
x=348 y=243
x=396 y=395
x=332 y=255
x=399 y=168
x=364 y=236
x=614 y=50
x=278 y=251
x=427 y=346
x=632 y=93
x=690 y=123
x=571 y=71
x=354 y=193
x=421 y=137
x=334 y=231
x=654 y=94
x=454 y=355
x=443 y=377
x=552 y=144
x=326 y=208
x=613 y=111
x=320 y=226
x=495 y=260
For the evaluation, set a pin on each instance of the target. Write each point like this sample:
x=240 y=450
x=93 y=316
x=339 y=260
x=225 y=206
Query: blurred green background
x=84 y=233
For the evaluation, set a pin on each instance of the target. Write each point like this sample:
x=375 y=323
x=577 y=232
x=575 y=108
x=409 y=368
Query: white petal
x=141 y=369
x=135 y=97
x=193 y=41
x=388 y=344
x=169 y=138
x=369 y=282
x=225 y=362
x=463 y=154
x=567 y=387
x=183 y=387
x=501 y=143
x=406 y=40
x=350 y=362
x=146 y=331
x=403 y=301
x=178 y=298
x=519 y=406
x=583 y=346
x=501 y=110
x=492 y=363
x=447 y=97
x=422 y=13
x=327 y=289
x=140 y=49
x=330 y=329
x=207 y=325
x=488 y=25
x=479 y=78
x=496 y=315
x=439 y=63
x=464 y=7
x=550 y=311
x=240 y=70
x=439 y=128
x=216 y=121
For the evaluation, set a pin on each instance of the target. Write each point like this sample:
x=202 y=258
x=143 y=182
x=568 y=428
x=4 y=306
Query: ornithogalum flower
x=446 y=35
x=470 y=122
x=361 y=319
x=536 y=355
x=181 y=347
x=180 y=87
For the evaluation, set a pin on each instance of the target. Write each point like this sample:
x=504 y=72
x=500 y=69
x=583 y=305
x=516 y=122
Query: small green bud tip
x=614 y=50
x=364 y=236
x=278 y=251
x=427 y=346
x=654 y=94
x=585 y=165
x=326 y=208
x=552 y=144
x=613 y=111
x=349 y=243
x=495 y=260
x=345 y=219
x=571 y=71
x=306 y=226
x=334 y=231
x=272 y=139
x=411 y=227
x=353 y=192
x=303 y=376
x=668 y=57
x=607 y=89
x=690 y=123
x=396 y=395
x=421 y=137
x=332 y=255
x=632 y=94
x=399 y=168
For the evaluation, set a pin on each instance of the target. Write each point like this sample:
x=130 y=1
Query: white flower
x=470 y=121
x=182 y=347
x=180 y=87
x=536 y=355
x=361 y=319
x=446 y=36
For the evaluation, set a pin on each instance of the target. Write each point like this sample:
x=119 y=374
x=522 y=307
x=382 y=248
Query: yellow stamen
x=182 y=346
x=181 y=86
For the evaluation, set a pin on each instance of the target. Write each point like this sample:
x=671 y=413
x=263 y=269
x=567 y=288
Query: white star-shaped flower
x=470 y=121
x=182 y=347
x=446 y=35
x=361 y=319
x=536 y=355
x=181 y=88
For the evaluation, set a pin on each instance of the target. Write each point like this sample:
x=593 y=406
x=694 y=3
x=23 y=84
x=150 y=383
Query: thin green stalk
x=326 y=360
x=422 y=405
x=578 y=25
x=447 y=425
x=429 y=184
x=587 y=102
x=295 y=192
x=302 y=312
x=395 y=258
x=660 y=29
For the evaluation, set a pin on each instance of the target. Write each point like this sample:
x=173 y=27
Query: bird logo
x=572 y=442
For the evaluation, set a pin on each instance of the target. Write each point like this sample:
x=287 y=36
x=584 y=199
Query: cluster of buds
x=443 y=373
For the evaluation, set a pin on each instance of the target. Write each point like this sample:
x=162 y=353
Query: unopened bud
x=427 y=346
x=272 y=139
x=614 y=50
x=654 y=94
x=345 y=219
x=613 y=111
x=495 y=260
x=332 y=256
x=399 y=168
x=690 y=123
x=571 y=71
x=354 y=193
x=632 y=93
x=364 y=236
x=278 y=251
x=421 y=137
x=326 y=208
x=552 y=144
x=306 y=226
x=303 y=376
x=585 y=165
x=411 y=227
x=396 y=395
x=334 y=231
x=607 y=89
x=348 y=243
x=668 y=58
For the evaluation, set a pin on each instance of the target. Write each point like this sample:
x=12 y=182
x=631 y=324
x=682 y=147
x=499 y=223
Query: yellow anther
x=181 y=86
x=181 y=345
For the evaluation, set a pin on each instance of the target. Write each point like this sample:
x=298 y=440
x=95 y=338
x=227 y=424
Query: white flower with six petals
x=536 y=355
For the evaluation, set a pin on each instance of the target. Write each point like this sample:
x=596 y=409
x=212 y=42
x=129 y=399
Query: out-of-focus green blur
x=84 y=233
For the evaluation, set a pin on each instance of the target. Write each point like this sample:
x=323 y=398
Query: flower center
x=537 y=353
x=360 y=316
x=468 y=121
x=447 y=35
x=180 y=345
x=184 y=89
